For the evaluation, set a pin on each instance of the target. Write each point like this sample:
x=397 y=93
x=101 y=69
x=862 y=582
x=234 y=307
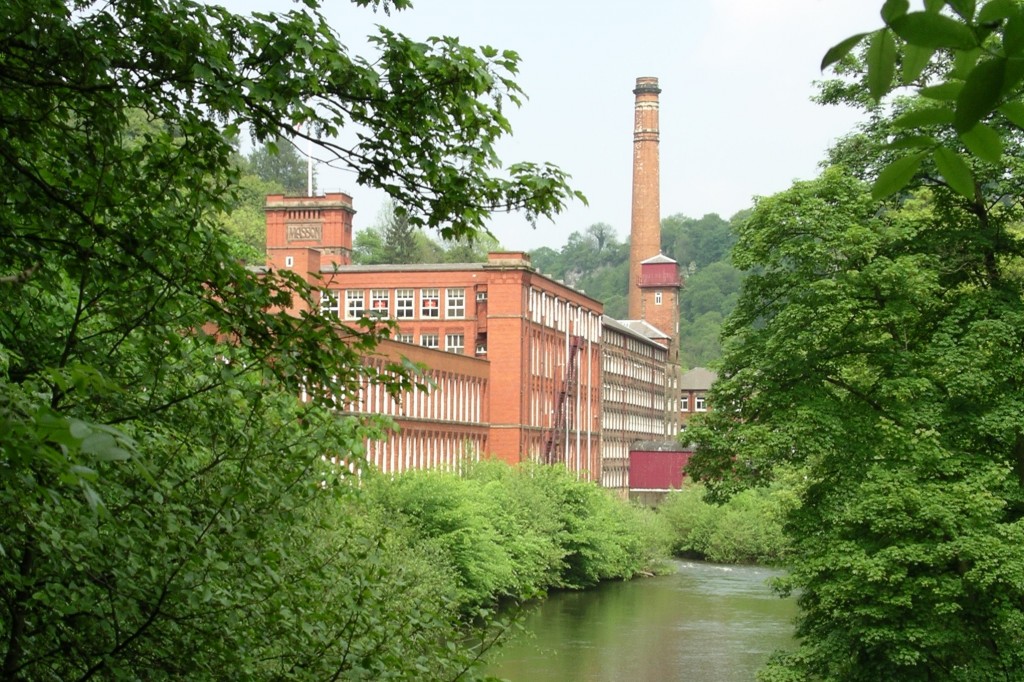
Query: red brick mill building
x=524 y=367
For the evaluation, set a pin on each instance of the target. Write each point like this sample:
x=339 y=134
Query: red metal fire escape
x=568 y=383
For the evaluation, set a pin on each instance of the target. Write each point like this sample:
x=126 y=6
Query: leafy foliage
x=748 y=528
x=515 y=533
x=169 y=505
x=394 y=240
x=964 y=60
x=279 y=163
x=877 y=350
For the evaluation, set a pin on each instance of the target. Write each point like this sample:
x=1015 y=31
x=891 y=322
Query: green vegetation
x=516 y=532
x=746 y=529
x=272 y=168
x=167 y=509
x=876 y=347
x=393 y=239
x=597 y=263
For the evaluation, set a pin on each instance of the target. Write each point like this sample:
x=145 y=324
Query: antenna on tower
x=309 y=166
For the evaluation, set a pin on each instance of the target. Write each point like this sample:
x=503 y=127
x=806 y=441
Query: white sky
x=736 y=78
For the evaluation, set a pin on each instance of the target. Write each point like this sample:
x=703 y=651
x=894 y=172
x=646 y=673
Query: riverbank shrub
x=746 y=529
x=517 y=532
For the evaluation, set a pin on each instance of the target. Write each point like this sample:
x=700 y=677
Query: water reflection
x=704 y=623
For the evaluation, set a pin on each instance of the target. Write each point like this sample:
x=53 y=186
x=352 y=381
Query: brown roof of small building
x=697 y=379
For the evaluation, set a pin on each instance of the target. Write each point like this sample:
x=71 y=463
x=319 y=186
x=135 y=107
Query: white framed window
x=455 y=343
x=405 y=304
x=330 y=305
x=428 y=340
x=289 y=261
x=355 y=303
x=699 y=403
x=404 y=338
x=430 y=302
x=456 y=303
x=380 y=303
x=657 y=298
x=482 y=296
x=684 y=403
x=481 y=349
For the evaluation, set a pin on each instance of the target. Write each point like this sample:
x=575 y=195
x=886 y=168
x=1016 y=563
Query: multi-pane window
x=698 y=404
x=684 y=403
x=404 y=338
x=481 y=349
x=405 y=304
x=657 y=298
x=355 y=304
x=329 y=303
x=455 y=343
x=430 y=302
x=379 y=301
x=456 y=307
x=428 y=340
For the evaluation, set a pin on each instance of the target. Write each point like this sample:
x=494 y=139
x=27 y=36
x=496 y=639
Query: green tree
x=710 y=289
x=170 y=509
x=278 y=162
x=368 y=247
x=399 y=234
x=878 y=345
x=470 y=250
x=700 y=340
x=701 y=242
x=245 y=217
x=874 y=348
x=544 y=259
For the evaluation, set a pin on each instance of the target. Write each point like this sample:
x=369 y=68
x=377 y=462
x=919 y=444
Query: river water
x=704 y=623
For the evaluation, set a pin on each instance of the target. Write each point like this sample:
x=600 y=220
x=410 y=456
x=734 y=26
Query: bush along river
x=703 y=623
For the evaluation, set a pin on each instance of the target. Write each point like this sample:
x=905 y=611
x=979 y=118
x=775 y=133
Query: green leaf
x=928 y=29
x=1014 y=113
x=881 y=63
x=1013 y=36
x=934 y=5
x=943 y=91
x=915 y=58
x=78 y=428
x=984 y=142
x=912 y=142
x=963 y=62
x=919 y=118
x=893 y=9
x=965 y=8
x=955 y=171
x=980 y=93
x=1012 y=77
x=997 y=10
x=837 y=52
x=896 y=176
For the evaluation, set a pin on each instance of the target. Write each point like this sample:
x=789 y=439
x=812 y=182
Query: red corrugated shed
x=657 y=470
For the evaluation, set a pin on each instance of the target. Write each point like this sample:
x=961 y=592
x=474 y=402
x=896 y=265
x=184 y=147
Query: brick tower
x=321 y=224
x=645 y=230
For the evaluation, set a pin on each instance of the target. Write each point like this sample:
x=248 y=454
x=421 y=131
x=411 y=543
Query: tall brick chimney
x=645 y=230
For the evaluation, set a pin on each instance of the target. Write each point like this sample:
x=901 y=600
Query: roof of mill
x=619 y=325
x=644 y=328
x=697 y=379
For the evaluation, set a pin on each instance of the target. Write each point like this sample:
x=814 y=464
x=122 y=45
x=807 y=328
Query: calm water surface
x=705 y=623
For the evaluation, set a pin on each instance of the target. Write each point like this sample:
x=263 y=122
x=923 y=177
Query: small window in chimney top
x=289 y=261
